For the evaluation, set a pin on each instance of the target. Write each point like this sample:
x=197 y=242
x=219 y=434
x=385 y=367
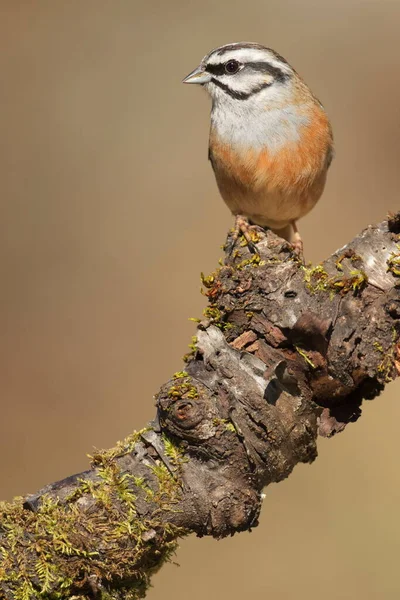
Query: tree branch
x=286 y=352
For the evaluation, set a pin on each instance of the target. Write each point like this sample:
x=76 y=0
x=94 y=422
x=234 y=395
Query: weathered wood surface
x=285 y=353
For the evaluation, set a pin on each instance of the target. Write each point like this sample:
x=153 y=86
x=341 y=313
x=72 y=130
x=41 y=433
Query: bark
x=286 y=352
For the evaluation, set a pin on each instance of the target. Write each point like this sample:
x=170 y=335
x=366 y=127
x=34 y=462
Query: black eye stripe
x=262 y=67
x=216 y=69
x=239 y=95
x=265 y=67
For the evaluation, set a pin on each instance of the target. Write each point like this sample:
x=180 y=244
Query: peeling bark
x=286 y=352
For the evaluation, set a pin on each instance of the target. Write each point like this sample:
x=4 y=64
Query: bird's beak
x=199 y=75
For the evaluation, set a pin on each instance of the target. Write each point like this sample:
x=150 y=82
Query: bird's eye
x=232 y=67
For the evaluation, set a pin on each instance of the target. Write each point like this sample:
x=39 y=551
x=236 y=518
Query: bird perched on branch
x=270 y=140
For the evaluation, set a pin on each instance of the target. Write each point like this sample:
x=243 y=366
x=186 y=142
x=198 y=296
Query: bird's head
x=242 y=71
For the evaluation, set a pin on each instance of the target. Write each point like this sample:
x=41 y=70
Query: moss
x=208 y=280
x=254 y=237
x=174 y=451
x=393 y=263
x=102 y=457
x=193 y=350
x=180 y=374
x=183 y=390
x=385 y=369
x=306 y=358
x=355 y=283
x=254 y=261
x=386 y=365
x=51 y=552
x=212 y=283
x=318 y=280
x=225 y=423
x=349 y=254
x=213 y=313
x=217 y=316
x=378 y=346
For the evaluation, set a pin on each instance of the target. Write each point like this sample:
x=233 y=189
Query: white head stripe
x=245 y=54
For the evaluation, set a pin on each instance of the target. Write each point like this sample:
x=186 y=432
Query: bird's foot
x=249 y=233
x=297 y=243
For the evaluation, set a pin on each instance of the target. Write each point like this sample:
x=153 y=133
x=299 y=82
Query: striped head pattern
x=241 y=71
x=258 y=99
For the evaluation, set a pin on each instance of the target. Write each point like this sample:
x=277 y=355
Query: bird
x=270 y=142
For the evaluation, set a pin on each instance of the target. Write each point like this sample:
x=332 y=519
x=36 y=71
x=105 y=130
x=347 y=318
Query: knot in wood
x=186 y=414
x=186 y=410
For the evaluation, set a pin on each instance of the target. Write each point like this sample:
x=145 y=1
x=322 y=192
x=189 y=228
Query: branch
x=286 y=352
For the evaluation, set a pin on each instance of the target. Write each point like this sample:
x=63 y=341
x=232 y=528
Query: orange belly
x=273 y=189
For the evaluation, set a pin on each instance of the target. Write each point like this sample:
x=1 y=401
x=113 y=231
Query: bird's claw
x=242 y=227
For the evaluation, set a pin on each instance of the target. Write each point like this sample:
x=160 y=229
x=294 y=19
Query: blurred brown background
x=109 y=212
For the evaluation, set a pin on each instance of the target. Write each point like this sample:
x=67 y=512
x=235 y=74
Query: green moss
x=254 y=261
x=213 y=313
x=386 y=365
x=180 y=374
x=385 y=368
x=355 y=283
x=193 y=349
x=102 y=457
x=225 y=423
x=217 y=316
x=306 y=358
x=45 y=554
x=230 y=427
x=212 y=284
x=183 y=390
x=378 y=346
x=318 y=280
x=254 y=237
x=390 y=357
x=174 y=451
x=208 y=280
x=349 y=254
x=393 y=263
